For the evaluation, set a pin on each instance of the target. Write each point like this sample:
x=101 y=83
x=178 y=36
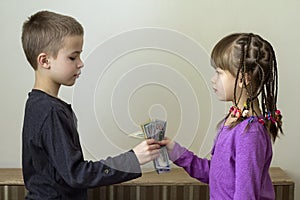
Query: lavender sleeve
x=196 y=167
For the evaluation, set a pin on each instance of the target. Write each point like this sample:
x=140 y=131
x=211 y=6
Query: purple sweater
x=239 y=166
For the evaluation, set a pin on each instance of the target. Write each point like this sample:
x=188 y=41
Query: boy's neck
x=46 y=86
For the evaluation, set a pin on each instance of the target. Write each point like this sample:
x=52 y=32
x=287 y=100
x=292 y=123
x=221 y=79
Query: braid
x=238 y=73
x=261 y=64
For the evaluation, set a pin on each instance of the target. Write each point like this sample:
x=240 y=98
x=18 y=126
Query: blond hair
x=45 y=32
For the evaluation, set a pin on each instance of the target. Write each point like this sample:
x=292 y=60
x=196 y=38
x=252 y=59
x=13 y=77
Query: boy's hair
x=247 y=54
x=45 y=32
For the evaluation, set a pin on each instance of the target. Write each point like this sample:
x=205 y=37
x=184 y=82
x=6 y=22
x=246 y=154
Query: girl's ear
x=246 y=79
x=43 y=60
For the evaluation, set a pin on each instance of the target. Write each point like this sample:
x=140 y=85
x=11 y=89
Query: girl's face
x=223 y=85
x=65 y=68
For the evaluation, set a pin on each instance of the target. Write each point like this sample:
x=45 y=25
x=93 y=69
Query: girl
x=245 y=67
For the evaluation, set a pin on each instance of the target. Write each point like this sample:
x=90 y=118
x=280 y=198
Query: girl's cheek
x=214 y=78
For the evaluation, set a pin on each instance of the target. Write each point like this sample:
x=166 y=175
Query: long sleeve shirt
x=52 y=158
x=239 y=164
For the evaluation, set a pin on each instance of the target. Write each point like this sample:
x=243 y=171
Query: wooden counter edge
x=177 y=176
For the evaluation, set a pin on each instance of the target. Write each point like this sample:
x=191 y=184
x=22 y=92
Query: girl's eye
x=218 y=71
x=72 y=58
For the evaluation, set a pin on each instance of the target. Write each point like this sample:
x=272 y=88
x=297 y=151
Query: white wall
x=203 y=22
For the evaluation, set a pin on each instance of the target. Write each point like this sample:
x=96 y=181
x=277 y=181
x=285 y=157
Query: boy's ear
x=247 y=79
x=43 y=60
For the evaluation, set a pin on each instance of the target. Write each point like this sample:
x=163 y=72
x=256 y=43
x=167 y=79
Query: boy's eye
x=72 y=58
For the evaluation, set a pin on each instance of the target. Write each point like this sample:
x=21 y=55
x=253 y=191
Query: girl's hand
x=146 y=151
x=168 y=143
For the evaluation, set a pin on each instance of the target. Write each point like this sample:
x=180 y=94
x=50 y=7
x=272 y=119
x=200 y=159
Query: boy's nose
x=81 y=64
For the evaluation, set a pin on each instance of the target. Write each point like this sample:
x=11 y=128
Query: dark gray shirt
x=52 y=159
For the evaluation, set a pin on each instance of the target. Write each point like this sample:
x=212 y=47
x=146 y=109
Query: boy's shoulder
x=41 y=102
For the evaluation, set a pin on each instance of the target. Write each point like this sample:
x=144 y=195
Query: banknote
x=138 y=134
x=156 y=129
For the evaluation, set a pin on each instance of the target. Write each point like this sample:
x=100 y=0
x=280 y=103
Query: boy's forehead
x=73 y=43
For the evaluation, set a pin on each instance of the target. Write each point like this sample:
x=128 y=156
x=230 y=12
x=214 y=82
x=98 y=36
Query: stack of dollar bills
x=156 y=129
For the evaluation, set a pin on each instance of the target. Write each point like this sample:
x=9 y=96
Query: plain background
x=204 y=21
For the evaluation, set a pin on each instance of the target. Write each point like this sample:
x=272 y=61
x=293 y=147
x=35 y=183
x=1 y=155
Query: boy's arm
x=61 y=142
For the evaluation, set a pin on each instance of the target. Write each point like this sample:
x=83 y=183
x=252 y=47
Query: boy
x=52 y=159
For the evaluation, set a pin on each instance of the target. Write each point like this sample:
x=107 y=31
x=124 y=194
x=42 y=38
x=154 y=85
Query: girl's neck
x=253 y=110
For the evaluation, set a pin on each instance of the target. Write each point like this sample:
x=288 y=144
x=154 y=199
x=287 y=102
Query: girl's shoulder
x=252 y=125
x=251 y=129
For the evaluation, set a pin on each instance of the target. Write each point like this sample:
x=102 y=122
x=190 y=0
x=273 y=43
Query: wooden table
x=169 y=186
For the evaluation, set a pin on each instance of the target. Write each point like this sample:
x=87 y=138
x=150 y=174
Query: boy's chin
x=69 y=84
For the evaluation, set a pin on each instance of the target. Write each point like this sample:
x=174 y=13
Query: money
x=156 y=129
x=138 y=135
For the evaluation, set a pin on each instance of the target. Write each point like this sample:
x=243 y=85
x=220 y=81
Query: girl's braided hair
x=247 y=53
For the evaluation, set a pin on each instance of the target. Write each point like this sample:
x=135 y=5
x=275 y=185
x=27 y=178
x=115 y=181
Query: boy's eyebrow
x=77 y=52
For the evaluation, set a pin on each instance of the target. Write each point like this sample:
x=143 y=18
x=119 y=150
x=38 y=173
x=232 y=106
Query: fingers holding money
x=168 y=143
x=147 y=151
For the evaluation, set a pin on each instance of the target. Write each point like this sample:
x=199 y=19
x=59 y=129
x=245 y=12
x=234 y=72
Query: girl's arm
x=196 y=167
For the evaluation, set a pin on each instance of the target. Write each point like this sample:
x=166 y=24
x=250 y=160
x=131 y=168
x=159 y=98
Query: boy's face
x=66 y=67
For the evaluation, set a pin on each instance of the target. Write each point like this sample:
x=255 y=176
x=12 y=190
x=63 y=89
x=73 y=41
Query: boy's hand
x=147 y=151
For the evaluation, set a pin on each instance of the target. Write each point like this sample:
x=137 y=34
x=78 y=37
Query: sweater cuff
x=135 y=162
x=177 y=152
